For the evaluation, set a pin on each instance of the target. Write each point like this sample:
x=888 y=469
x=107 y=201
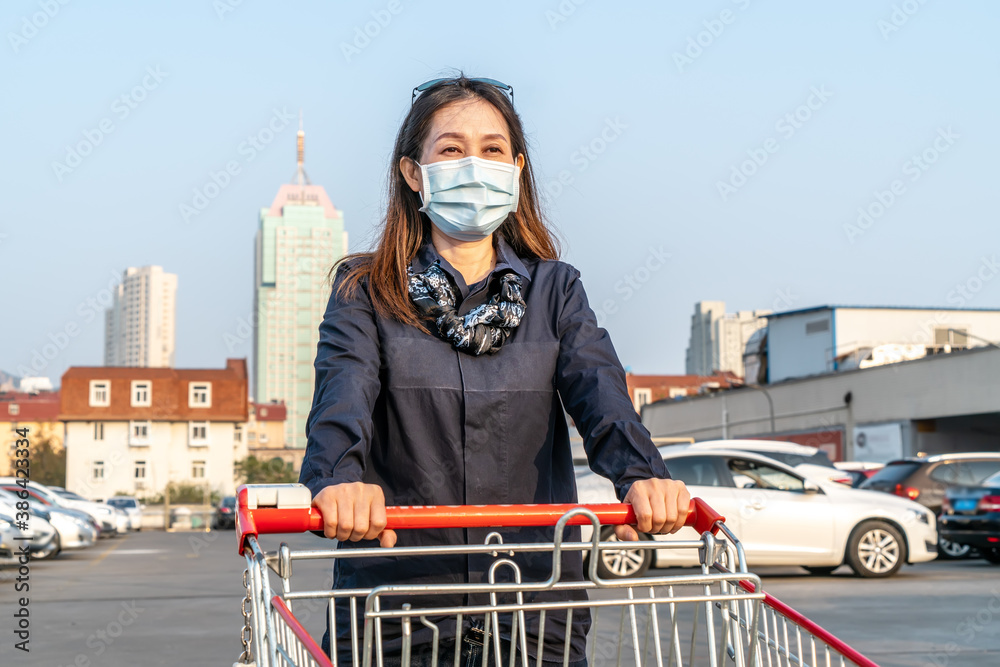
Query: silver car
x=76 y=529
x=131 y=507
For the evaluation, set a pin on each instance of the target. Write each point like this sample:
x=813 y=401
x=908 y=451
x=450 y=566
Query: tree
x=47 y=463
x=252 y=470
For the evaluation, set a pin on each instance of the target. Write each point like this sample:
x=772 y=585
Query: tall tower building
x=140 y=324
x=299 y=238
x=718 y=339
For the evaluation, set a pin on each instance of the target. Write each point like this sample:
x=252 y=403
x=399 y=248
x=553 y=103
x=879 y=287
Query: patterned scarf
x=485 y=328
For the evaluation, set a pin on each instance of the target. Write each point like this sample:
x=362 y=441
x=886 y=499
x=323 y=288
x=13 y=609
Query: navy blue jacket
x=403 y=409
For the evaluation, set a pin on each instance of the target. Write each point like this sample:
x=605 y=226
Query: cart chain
x=246 y=658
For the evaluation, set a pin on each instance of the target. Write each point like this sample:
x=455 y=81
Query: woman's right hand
x=354 y=511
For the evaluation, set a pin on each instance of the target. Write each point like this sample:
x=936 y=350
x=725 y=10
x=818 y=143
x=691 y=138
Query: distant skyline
x=774 y=155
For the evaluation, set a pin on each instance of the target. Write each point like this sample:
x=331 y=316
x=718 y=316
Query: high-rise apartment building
x=299 y=238
x=718 y=339
x=140 y=325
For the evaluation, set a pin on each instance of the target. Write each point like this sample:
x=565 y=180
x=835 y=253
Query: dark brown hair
x=404 y=228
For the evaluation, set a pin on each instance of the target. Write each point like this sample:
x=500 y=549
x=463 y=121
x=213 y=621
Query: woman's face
x=470 y=128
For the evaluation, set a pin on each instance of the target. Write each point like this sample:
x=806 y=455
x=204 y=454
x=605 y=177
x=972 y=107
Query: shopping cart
x=718 y=616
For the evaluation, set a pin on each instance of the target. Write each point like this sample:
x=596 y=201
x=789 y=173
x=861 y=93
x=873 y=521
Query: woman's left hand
x=661 y=506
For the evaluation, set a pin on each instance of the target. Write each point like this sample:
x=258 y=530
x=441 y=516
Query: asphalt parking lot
x=154 y=598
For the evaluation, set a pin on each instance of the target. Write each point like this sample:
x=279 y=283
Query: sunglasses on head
x=509 y=90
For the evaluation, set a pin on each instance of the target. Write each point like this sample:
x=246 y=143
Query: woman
x=447 y=355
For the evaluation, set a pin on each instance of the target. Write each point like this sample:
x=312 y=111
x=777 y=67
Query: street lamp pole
x=770 y=402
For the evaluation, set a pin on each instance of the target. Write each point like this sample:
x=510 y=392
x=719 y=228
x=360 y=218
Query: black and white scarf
x=485 y=328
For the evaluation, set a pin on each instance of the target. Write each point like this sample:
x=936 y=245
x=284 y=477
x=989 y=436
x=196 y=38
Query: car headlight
x=918 y=515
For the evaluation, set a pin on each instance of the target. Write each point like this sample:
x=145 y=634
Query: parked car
x=970 y=516
x=809 y=461
x=104 y=515
x=44 y=542
x=8 y=541
x=131 y=507
x=76 y=529
x=858 y=470
x=926 y=479
x=225 y=514
x=781 y=517
x=122 y=520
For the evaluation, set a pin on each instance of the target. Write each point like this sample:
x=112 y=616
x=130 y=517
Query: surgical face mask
x=468 y=199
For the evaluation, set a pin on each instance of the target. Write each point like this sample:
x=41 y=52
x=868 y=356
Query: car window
x=229 y=501
x=694 y=470
x=959 y=473
x=980 y=470
x=992 y=480
x=893 y=473
x=755 y=475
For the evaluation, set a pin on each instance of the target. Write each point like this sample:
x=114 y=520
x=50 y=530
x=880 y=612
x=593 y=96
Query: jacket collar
x=507 y=259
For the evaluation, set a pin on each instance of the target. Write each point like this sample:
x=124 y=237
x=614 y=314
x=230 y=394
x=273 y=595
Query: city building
x=140 y=324
x=38 y=412
x=299 y=238
x=826 y=339
x=718 y=339
x=935 y=404
x=134 y=430
x=266 y=434
x=646 y=389
x=35 y=385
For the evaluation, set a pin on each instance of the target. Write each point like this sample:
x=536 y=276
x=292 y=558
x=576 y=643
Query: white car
x=105 y=516
x=44 y=542
x=809 y=461
x=75 y=531
x=8 y=540
x=132 y=509
x=781 y=518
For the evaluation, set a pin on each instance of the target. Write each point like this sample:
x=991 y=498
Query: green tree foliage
x=252 y=470
x=47 y=464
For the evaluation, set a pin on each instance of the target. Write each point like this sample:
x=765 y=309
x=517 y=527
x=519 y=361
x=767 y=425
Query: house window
x=251 y=436
x=142 y=394
x=198 y=469
x=138 y=433
x=140 y=470
x=199 y=394
x=237 y=432
x=263 y=437
x=642 y=397
x=100 y=393
x=678 y=391
x=13 y=409
x=98 y=430
x=98 y=470
x=198 y=433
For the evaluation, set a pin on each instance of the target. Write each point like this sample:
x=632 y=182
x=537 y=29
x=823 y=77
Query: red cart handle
x=296 y=515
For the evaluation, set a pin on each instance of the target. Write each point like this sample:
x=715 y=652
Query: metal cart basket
x=716 y=615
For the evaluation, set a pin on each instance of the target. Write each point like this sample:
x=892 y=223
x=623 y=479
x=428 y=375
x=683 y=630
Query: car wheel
x=823 y=571
x=622 y=563
x=876 y=549
x=54 y=548
x=992 y=555
x=948 y=550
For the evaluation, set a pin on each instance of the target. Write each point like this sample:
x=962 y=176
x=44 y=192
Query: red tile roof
x=270 y=412
x=169 y=395
x=40 y=407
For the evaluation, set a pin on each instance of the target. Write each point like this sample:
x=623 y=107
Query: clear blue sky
x=673 y=129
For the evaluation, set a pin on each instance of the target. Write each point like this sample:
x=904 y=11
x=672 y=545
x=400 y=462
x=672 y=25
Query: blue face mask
x=468 y=199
